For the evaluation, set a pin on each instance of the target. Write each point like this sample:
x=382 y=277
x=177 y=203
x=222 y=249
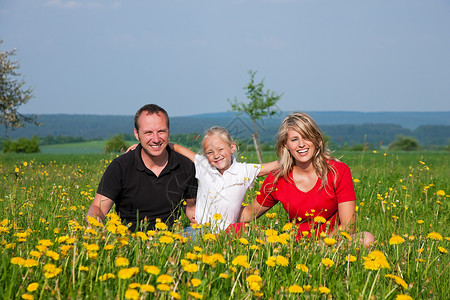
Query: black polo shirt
x=138 y=193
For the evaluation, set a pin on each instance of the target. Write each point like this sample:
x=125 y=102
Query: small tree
x=22 y=145
x=12 y=92
x=116 y=144
x=406 y=143
x=261 y=104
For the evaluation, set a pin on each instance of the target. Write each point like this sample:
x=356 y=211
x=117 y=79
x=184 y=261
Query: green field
x=49 y=252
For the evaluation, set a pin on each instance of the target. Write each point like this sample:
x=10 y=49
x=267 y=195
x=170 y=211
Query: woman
x=316 y=189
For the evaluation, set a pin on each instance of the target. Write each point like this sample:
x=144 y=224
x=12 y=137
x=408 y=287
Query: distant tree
x=406 y=143
x=12 y=92
x=22 y=145
x=116 y=144
x=261 y=104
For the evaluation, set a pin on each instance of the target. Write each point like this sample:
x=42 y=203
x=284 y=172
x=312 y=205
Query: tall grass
x=48 y=251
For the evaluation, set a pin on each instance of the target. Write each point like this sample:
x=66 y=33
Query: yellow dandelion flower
x=164 y=279
x=281 y=261
x=287 y=226
x=127 y=273
x=152 y=270
x=356 y=180
x=307 y=288
x=195 y=295
x=403 y=297
x=147 y=288
x=36 y=254
x=163 y=287
x=434 y=236
x=271 y=261
x=224 y=275
x=241 y=260
x=270 y=232
x=329 y=241
x=302 y=268
x=161 y=226
x=122 y=261
x=83 y=268
x=165 y=239
x=175 y=295
x=209 y=237
x=272 y=239
x=295 y=289
x=132 y=294
x=195 y=282
x=50 y=270
x=28 y=263
x=320 y=219
x=191 y=268
x=217 y=217
x=440 y=193
x=91 y=247
x=398 y=280
x=254 y=278
x=327 y=262
x=396 y=240
x=442 y=249
x=45 y=242
x=108 y=247
x=106 y=276
x=32 y=287
x=324 y=290
x=350 y=258
x=134 y=285
x=271 y=215
x=26 y=296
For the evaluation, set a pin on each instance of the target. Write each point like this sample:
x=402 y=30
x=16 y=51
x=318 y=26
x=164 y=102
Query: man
x=150 y=181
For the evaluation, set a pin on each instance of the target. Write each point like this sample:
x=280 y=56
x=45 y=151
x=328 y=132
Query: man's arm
x=252 y=211
x=100 y=207
x=190 y=209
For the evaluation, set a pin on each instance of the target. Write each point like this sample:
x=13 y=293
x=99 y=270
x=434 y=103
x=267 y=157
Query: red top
x=316 y=202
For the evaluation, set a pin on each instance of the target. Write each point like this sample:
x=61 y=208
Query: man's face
x=153 y=133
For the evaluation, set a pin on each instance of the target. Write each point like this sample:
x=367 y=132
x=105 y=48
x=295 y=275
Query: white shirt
x=221 y=194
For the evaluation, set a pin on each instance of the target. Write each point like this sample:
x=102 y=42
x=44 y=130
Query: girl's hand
x=132 y=147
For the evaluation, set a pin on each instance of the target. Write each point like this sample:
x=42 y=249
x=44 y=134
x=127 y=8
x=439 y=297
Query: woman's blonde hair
x=219 y=131
x=305 y=125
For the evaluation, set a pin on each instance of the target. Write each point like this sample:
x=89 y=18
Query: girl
x=222 y=181
x=316 y=189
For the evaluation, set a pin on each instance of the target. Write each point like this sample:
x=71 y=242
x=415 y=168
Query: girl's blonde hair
x=219 y=131
x=305 y=125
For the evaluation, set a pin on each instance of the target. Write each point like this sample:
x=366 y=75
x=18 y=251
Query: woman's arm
x=267 y=168
x=252 y=211
x=183 y=151
x=347 y=216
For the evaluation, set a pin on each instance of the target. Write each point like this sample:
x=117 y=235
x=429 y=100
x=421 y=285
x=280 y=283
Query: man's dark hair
x=150 y=109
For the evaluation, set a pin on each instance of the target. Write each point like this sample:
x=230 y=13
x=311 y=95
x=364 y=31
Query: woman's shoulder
x=337 y=164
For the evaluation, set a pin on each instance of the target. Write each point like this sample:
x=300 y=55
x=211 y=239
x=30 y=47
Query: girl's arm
x=183 y=151
x=267 y=168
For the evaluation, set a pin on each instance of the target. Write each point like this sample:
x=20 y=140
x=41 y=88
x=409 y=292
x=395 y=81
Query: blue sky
x=111 y=57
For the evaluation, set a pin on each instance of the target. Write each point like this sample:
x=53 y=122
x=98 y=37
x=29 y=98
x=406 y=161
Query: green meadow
x=48 y=251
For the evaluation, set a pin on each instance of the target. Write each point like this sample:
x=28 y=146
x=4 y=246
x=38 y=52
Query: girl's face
x=218 y=152
x=301 y=149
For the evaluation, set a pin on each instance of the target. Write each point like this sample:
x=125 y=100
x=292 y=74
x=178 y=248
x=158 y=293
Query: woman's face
x=301 y=149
